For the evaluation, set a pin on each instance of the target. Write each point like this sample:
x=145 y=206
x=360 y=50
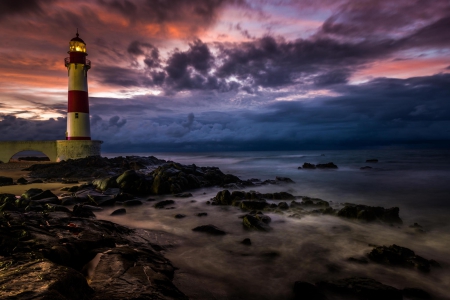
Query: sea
x=310 y=248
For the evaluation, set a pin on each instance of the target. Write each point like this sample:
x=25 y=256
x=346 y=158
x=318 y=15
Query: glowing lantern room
x=77 y=45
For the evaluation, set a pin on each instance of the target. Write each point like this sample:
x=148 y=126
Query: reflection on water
x=312 y=248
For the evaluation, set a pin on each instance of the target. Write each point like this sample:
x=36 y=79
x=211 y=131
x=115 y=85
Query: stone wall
x=55 y=150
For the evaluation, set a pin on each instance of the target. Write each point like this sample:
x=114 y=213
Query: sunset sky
x=217 y=75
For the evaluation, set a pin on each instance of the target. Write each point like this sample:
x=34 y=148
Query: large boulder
x=252 y=222
x=105 y=183
x=209 y=229
x=132 y=182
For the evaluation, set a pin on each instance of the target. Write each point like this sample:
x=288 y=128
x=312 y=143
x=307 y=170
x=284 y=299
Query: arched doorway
x=29 y=156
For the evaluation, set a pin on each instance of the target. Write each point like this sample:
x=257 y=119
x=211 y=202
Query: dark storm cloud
x=14 y=128
x=13 y=7
x=196 y=13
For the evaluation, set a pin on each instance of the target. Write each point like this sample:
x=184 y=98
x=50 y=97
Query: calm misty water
x=314 y=247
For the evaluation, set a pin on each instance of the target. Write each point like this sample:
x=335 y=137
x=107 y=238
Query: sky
x=232 y=75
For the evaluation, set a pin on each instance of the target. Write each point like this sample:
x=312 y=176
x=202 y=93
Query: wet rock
x=284 y=179
x=69 y=200
x=370 y=213
x=415 y=293
x=365 y=168
x=361 y=287
x=132 y=182
x=101 y=200
x=22 y=180
x=246 y=242
x=307 y=291
x=223 y=198
x=202 y=214
x=164 y=203
x=119 y=212
x=400 y=256
x=252 y=222
x=309 y=166
x=6 y=181
x=329 y=165
x=36 y=181
x=82 y=212
x=105 y=183
x=132 y=203
x=179 y=216
x=283 y=205
x=209 y=229
x=253 y=205
x=183 y=195
x=372 y=160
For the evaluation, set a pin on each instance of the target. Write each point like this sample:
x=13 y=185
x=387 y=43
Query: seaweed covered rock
x=400 y=256
x=255 y=222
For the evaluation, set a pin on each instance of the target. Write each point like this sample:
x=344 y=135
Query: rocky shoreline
x=55 y=248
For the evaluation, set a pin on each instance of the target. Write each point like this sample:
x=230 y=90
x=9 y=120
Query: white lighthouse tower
x=78 y=124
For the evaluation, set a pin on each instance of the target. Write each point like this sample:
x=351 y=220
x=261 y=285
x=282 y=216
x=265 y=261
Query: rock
x=132 y=182
x=365 y=168
x=101 y=200
x=6 y=181
x=183 y=195
x=370 y=213
x=283 y=205
x=105 y=183
x=253 y=205
x=132 y=203
x=36 y=181
x=119 y=212
x=309 y=166
x=82 y=212
x=179 y=216
x=372 y=160
x=329 y=165
x=415 y=293
x=209 y=229
x=22 y=180
x=69 y=200
x=284 y=179
x=361 y=287
x=223 y=198
x=30 y=193
x=246 y=242
x=251 y=222
x=202 y=214
x=400 y=256
x=307 y=291
x=164 y=203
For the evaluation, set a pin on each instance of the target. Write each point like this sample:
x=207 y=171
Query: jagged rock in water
x=400 y=256
x=119 y=212
x=105 y=183
x=252 y=222
x=164 y=203
x=209 y=229
x=329 y=165
x=370 y=213
x=309 y=166
x=22 y=180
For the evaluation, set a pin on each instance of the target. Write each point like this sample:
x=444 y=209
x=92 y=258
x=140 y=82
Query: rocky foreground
x=54 y=248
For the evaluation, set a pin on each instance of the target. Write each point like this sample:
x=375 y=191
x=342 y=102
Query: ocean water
x=311 y=248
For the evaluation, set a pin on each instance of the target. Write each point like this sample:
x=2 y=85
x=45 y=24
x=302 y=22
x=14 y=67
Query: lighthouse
x=78 y=124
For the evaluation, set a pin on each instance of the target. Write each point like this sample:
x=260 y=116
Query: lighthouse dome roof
x=77 y=39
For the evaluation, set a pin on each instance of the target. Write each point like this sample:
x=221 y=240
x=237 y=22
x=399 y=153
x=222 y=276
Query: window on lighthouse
x=77 y=46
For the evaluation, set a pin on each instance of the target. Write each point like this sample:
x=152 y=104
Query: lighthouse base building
x=56 y=151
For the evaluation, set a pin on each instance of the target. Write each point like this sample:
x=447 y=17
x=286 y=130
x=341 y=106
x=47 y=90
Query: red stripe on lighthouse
x=77 y=58
x=77 y=138
x=78 y=102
